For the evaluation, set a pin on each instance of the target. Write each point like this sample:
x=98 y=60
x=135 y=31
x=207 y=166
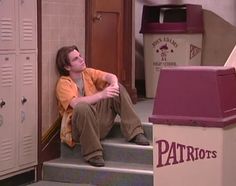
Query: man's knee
x=82 y=108
x=122 y=89
x=121 y=86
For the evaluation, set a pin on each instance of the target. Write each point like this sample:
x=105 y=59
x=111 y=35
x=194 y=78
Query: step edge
x=147 y=123
x=111 y=142
x=106 y=168
x=127 y=145
x=143 y=123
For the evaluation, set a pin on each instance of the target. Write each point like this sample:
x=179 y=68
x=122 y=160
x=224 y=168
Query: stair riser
x=101 y=178
x=129 y=155
x=67 y=152
x=114 y=153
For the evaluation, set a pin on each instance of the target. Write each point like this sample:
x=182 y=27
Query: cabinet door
x=27 y=23
x=7 y=25
x=27 y=99
x=7 y=113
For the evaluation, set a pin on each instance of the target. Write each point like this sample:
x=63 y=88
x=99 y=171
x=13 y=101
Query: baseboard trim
x=19 y=179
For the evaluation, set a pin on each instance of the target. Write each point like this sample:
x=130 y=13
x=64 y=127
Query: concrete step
x=75 y=170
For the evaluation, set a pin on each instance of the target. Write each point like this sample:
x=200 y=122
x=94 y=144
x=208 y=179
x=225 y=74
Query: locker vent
x=27 y=74
x=27 y=146
x=6 y=29
x=27 y=28
x=7 y=76
x=6 y=150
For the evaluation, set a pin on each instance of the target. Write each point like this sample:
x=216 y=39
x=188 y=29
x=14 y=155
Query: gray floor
x=143 y=108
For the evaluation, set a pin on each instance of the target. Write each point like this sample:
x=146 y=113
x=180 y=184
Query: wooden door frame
x=127 y=43
x=39 y=43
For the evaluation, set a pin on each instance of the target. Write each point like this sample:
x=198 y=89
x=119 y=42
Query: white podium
x=194 y=132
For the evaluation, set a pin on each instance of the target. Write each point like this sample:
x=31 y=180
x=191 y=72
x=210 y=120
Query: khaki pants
x=91 y=123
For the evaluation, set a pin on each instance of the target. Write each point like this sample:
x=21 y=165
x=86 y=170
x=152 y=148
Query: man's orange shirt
x=67 y=89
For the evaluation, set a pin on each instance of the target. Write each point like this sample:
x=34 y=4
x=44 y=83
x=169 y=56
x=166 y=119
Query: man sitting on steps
x=88 y=101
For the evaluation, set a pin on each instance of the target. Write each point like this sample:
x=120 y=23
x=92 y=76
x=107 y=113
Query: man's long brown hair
x=62 y=59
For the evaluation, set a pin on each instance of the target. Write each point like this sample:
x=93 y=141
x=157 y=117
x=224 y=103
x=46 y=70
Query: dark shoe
x=97 y=161
x=140 y=139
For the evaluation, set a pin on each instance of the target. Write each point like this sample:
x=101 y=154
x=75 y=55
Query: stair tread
x=111 y=166
x=121 y=142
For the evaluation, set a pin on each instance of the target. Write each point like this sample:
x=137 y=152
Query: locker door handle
x=23 y=100
x=22 y=116
x=97 y=17
x=2 y=103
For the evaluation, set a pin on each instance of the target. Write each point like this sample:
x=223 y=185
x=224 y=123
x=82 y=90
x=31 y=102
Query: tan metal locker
x=18 y=86
x=27 y=23
x=27 y=110
x=7 y=25
x=7 y=112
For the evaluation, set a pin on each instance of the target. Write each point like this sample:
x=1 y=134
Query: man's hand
x=110 y=91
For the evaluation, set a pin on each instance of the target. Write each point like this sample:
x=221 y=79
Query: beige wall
x=63 y=23
x=219 y=39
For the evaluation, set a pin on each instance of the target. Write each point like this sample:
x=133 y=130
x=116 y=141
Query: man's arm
x=111 y=79
x=111 y=91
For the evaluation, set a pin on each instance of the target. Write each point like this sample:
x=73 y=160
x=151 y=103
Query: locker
x=7 y=112
x=7 y=25
x=27 y=112
x=27 y=24
x=18 y=86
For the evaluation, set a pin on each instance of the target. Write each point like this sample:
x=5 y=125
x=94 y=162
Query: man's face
x=77 y=63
